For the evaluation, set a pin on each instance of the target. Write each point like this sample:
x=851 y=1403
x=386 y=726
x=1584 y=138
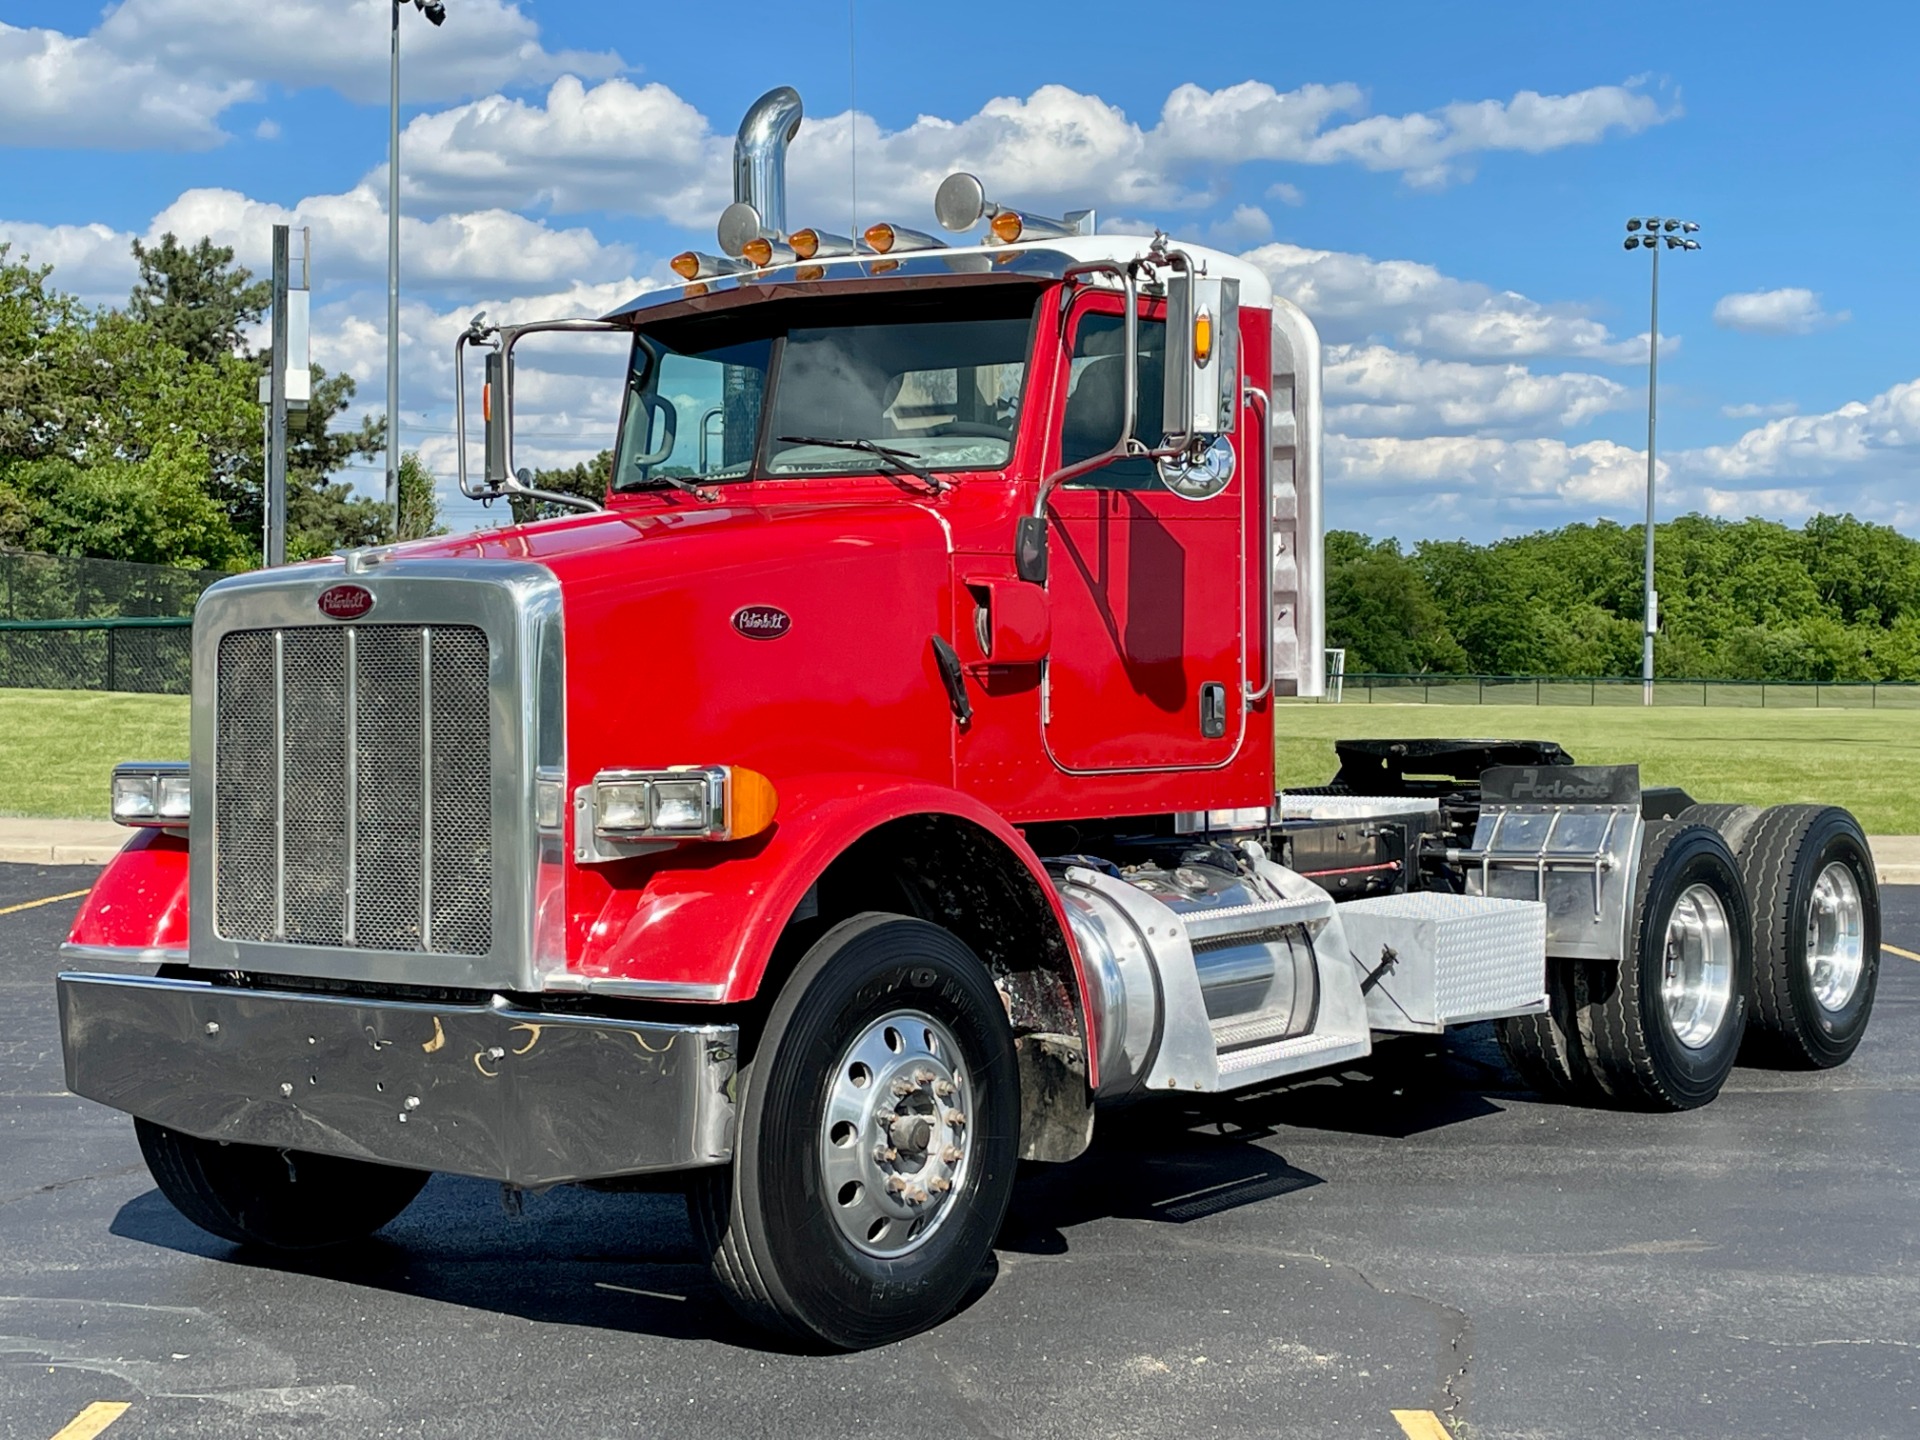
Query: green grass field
x=56 y=747
x=1868 y=761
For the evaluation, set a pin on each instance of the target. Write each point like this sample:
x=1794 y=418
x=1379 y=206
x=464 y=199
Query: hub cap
x=1697 y=981
x=895 y=1141
x=1836 y=944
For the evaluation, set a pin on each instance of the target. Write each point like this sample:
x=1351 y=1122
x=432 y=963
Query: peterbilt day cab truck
x=880 y=780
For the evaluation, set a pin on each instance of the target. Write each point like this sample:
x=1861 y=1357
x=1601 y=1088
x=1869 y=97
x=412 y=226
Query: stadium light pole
x=436 y=11
x=1654 y=234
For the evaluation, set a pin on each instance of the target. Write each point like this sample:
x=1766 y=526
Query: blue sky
x=1442 y=187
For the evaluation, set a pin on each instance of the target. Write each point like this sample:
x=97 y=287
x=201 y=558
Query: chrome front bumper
x=489 y=1090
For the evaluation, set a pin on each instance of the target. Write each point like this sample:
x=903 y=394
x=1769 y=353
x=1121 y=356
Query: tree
x=1380 y=609
x=419 y=505
x=37 y=323
x=197 y=300
x=589 y=479
x=324 y=514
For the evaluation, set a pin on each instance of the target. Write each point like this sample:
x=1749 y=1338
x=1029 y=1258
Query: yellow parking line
x=1418 y=1425
x=92 y=1420
x=1896 y=950
x=49 y=900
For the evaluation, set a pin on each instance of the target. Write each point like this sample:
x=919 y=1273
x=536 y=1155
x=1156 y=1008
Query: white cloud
x=1755 y=411
x=644 y=150
x=94 y=262
x=494 y=248
x=158 y=74
x=1491 y=470
x=60 y=90
x=632 y=149
x=1375 y=390
x=1789 y=311
x=1871 y=439
x=1247 y=225
x=1286 y=194
x=1354 y=296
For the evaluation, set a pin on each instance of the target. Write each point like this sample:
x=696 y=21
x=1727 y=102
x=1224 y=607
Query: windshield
x=936 y=379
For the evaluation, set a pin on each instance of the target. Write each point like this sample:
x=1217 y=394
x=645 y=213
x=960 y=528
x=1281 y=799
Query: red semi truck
x=879 y=780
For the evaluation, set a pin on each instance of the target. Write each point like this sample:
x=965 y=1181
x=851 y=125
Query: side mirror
x=494 y=408
x=1030 y=549
x=1202 y=397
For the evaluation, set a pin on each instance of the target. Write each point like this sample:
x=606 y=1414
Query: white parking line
x=1896 y=950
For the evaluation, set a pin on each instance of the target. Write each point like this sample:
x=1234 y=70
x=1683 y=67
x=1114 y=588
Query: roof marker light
x=693 y=265
x=812 y=244
x=884 y=239
x=764 y=252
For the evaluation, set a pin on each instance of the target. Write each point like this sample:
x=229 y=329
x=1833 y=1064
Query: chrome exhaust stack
x=759 y=208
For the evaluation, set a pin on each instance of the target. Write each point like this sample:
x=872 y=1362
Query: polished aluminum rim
x=1836 y=937
x=1697 y=981
x=895 y=1141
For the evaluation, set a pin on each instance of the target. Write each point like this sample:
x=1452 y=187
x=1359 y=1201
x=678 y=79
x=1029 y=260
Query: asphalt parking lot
x=1417 y=1234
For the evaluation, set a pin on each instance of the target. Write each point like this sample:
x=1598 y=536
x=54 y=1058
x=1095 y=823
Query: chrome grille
x=353 y=788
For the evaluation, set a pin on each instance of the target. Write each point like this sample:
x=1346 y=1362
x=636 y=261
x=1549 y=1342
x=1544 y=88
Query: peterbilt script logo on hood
x=762 y=622
x=346 y=602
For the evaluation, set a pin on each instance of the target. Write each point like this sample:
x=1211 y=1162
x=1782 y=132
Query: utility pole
x=276 y=492
x=435 y=11
x=1677 y=235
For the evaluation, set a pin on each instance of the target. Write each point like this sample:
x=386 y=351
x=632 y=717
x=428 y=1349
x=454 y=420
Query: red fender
x=139 y=903
x=711 y=915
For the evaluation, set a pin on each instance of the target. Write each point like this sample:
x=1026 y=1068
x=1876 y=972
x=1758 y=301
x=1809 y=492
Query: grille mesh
x=353 y=788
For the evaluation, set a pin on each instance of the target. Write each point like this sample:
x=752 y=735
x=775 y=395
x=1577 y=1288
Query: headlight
x=152 y=792
x=712 y=802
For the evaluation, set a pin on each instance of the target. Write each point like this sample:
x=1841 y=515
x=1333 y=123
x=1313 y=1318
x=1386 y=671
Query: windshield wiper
x=899 y=459
x=699 y=492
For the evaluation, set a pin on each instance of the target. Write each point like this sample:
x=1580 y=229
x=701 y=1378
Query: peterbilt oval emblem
x=346 y=602
x=762 y=622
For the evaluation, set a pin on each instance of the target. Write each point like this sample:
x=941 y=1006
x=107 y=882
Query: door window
x=1094 y=410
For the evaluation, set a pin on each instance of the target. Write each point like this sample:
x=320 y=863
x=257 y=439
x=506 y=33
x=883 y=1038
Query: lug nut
x=950 y=1155
x=955 y=1118
x=904 y=1087
x=885 y=1154
x=939 y=1184
x=916 y=1196
x=896 y=1186
x=924 y=1077
x=943 y=1089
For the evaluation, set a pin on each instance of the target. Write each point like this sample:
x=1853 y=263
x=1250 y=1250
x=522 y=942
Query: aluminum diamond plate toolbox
x=1437 y=960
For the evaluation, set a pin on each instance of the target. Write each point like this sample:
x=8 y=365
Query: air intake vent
x=353 y=788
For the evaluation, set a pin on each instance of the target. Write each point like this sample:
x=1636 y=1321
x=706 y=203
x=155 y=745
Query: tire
x=279 y=1199
x=1546 y=1051
x=1658 y=1048
x=1816 y=946
x=1732 y=821
x=809 y=1236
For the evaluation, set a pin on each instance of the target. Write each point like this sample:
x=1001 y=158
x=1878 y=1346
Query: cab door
x=1147 y=588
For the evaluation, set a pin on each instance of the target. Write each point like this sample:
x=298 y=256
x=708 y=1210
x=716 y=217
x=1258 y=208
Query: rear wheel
x=1816 y=926
x=878 y=1136
x=1732 y=821
x=1663 y=1026
x=282 y=1199
x=1545 y=1050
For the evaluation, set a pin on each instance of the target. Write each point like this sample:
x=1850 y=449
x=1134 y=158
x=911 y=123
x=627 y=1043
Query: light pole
x=1677 y=235
x=435 y=11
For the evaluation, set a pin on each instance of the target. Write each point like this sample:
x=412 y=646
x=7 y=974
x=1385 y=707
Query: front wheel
x=280 y=1199
x=878 y=1137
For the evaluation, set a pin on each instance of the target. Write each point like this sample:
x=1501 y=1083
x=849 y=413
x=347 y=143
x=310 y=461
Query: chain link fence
x=80 y=624
x=1371 y=689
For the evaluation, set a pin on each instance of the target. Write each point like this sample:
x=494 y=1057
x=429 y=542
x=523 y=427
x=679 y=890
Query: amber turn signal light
x=686 y=265
x=1006 y=226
